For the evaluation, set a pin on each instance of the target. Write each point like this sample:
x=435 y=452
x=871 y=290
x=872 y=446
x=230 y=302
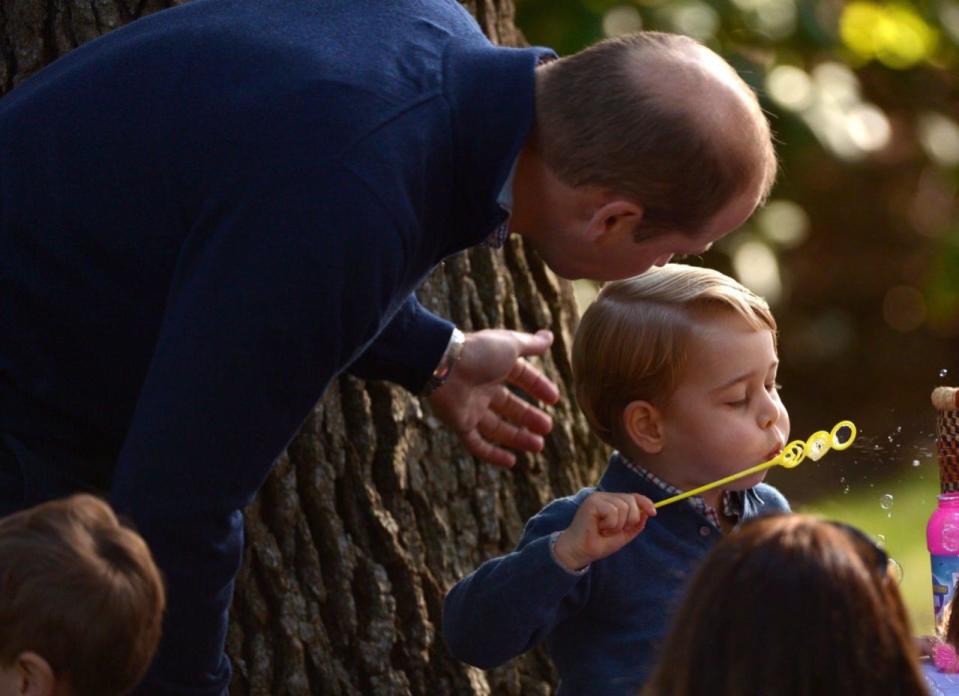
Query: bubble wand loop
x=816 y=445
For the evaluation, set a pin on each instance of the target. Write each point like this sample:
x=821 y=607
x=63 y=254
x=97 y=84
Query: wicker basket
x=946 y=402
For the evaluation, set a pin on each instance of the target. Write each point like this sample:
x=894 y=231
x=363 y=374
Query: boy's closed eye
x=737 y=400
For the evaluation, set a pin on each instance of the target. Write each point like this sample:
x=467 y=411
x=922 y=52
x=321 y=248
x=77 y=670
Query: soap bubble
x=881 y=540
x=845 y=490
x=915 y=462
x=894 y=568
x=950 y=538
x=818 y=448
x=943 y=372
x=885 y=502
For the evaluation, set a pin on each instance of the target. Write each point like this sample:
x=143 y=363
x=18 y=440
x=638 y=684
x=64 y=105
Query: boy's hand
x=604 y=524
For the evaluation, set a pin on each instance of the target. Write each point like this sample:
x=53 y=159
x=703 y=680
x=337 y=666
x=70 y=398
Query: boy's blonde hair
x=633 y=341
x=82 y=592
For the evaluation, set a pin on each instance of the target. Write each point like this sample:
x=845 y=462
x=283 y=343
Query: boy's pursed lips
x=774 y=452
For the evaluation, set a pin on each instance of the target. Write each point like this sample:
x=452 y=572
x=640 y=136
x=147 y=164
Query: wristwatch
x=452 y=354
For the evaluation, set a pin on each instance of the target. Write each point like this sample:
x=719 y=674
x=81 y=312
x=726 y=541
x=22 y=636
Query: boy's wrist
x=565 y=556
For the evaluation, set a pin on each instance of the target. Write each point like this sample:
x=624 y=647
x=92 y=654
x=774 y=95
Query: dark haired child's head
x=793 y=606
x=81 y=601
x=677 y=369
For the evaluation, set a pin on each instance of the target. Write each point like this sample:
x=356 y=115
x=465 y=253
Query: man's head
x=644 y=146
x=81 y=601
x=678 y=367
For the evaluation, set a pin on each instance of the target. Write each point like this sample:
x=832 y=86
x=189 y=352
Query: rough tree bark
x=375 y=509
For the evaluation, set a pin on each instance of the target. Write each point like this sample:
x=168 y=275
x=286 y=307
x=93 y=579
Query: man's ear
x=613 y=219
x=643 y=424
x=34 y=676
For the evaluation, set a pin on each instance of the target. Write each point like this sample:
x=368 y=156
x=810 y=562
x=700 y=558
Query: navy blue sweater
x=207 y=215
x=603 y=626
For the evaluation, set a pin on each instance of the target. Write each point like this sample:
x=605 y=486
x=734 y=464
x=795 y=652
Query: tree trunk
x=375 y=510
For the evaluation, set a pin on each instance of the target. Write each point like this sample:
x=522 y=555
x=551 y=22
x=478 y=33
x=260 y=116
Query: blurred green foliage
x=858 y=247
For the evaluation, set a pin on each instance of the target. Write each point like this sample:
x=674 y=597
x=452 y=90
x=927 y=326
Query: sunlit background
x=858 y=247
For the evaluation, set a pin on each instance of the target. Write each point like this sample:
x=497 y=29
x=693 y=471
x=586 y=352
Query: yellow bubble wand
x=815 y=446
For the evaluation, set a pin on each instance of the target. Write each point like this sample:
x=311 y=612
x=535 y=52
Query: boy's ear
x=34 y=676
x=613 y=219
x=644 y=426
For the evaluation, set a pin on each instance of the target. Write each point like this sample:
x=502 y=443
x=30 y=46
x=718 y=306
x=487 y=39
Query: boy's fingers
x=627 y=515
x=607 y=518
x=635 y=514
x=645 y=504
x=633 y=532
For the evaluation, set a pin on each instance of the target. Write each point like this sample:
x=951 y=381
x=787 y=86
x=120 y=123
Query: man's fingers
x=533 y=382
x=502 y=432
x=485 y=450
x=513 y=408
x=533 y=344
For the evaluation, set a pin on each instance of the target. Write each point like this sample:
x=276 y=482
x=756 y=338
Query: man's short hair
x=82 y=592
x=658 y=118
x=632 y=343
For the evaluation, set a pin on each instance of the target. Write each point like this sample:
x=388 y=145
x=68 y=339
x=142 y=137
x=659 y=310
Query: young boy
x=676 y=369
x=81 y=601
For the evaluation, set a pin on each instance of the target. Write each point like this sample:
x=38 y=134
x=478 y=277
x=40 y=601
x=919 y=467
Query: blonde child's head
x=634 y=341
x=794 y=606
x=81 y=601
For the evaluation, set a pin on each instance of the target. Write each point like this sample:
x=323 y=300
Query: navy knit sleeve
x=510 y=603
x=408 y=349
x=276 y=291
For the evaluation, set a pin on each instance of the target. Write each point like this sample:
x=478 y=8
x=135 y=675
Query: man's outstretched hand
x=477 y=405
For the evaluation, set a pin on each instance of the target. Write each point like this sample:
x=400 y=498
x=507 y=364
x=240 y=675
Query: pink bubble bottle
x=942 y=531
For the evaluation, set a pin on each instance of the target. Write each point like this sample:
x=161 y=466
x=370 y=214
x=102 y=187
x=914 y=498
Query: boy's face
x=725 y=415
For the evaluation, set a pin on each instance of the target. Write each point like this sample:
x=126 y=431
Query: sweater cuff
x=407 y=350
x=552 y=552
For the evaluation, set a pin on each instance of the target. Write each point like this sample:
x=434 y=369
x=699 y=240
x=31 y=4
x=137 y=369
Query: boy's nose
x=663 y=260
x=769 y=414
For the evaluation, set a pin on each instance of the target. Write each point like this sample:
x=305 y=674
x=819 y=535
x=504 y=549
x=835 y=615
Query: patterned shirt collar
x=498 y=238
x=505 y=201
x=732 y=504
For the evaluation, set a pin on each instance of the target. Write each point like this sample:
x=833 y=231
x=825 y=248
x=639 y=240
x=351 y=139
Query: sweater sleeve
x=408 y=349
x=276 y=290
x=510 y=603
